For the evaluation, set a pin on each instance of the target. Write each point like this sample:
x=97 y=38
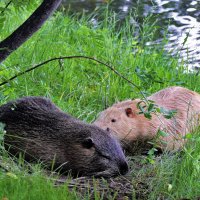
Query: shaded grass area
x=83 y=88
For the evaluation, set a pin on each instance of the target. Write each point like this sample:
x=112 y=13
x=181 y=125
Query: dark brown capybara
x=125 y=122
x=39 y=129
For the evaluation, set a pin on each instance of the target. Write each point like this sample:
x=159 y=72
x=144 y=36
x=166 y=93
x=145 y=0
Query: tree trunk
x=28 y=28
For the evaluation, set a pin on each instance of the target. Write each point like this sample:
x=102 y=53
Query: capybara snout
x=41 y=131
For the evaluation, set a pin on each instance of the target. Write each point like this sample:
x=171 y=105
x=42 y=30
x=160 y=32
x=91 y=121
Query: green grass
x=178 y=175
x=83 y=88
x=31 y=187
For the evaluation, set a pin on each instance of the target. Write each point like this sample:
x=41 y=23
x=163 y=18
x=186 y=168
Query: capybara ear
x=129 y=112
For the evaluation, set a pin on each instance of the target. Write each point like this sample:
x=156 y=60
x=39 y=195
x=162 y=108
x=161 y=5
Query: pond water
x=180 y=17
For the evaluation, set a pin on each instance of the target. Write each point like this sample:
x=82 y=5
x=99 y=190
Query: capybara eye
x=88 y=143
x=113 y=120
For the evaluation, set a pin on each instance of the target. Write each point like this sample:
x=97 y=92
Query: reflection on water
x=184 y=17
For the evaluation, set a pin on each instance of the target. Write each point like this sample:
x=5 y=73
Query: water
x=183 y=15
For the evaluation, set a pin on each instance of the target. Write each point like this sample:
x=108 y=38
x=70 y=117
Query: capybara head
x=39 y=129
x=122 y=119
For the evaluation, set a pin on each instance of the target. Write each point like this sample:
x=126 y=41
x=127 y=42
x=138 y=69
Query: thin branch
x=6 y=6
x=75 y=57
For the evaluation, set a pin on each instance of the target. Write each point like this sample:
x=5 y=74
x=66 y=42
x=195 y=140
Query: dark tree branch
x=28 y=28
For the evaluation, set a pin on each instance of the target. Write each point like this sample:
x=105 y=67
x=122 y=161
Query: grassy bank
x=83 y=88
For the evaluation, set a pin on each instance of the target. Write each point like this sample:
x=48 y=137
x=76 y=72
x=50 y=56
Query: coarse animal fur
x=130 y=127
x=41 y=131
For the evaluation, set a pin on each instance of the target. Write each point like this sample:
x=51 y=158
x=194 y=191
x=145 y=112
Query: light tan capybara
x=130 y=127
x=41 y=131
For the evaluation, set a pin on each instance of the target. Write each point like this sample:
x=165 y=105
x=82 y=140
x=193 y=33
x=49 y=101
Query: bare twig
x=6 y=6
x=75 y=57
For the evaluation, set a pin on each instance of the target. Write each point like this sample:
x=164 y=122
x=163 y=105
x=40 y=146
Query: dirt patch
x=135 y=185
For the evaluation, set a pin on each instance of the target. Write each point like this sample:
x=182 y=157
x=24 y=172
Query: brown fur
x=130 y=127
x=39 y=129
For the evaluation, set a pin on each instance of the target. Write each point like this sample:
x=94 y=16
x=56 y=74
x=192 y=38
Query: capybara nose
x=123 y=168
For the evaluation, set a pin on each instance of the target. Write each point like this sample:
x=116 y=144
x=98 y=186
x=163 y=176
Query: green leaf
x=168 y=114
x=186 y=38
x=12 y=175
x=151 y=107
x=2 y=19
x=162 y=133
x=147 y=115
x=2 y=126
x=151 y=161
x=188 y=136
x=141 y=107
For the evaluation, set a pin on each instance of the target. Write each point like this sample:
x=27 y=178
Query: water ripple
x=182 y=15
